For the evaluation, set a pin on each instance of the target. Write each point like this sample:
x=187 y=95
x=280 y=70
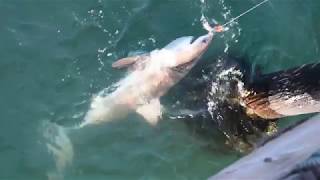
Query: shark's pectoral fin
x=151 y=112
x=128 y=61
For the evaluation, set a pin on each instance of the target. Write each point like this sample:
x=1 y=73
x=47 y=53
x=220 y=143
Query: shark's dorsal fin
x=151 y=112
x=128 y=61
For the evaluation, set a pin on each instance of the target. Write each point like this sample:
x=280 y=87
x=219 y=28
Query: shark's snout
x=187 y=59
x=204 y=40
x=207 y=38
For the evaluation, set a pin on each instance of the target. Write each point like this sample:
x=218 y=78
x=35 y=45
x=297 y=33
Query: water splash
x=231 y=32
x=225 y=85
x=114 y=36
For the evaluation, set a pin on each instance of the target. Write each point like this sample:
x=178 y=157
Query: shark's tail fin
x=59 y=146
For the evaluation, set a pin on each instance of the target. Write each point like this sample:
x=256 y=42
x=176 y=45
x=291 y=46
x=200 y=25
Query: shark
x=149 y=77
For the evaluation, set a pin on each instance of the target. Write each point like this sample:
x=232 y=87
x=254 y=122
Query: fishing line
x=221 y=28
x=246 y=12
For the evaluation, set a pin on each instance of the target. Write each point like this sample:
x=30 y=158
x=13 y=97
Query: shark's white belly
x=136 y=90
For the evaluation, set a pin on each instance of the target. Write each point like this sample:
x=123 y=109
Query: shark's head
x=187 y=51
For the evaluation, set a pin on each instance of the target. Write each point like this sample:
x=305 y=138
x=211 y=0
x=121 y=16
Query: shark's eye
x=204 y=40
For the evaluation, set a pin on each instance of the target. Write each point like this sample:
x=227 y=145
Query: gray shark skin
x=149 y=77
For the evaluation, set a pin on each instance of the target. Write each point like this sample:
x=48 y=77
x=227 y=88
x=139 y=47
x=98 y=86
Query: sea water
x=55 y=56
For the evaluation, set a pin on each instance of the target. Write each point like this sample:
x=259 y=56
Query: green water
x=55 y=55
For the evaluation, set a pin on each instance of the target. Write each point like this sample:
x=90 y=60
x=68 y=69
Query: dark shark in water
x=210 y=103
x=244 y=105
x=284 y=93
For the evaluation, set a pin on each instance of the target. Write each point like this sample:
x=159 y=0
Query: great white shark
x=149 y=77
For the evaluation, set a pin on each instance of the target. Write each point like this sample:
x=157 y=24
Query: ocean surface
x=56 y=55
